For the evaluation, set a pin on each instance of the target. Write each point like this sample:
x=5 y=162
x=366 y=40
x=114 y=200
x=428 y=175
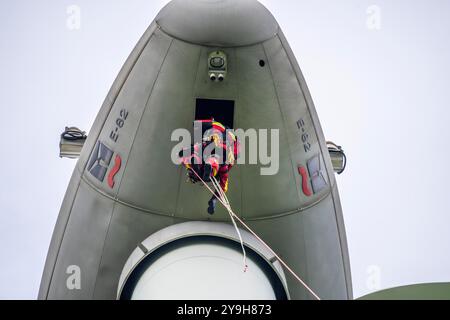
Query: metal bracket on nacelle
x=71 y=144
x=338 y=157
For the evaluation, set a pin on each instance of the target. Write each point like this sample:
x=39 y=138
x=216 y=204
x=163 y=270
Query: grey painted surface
x=309 y=242
x=99 y=227
x=221 y=23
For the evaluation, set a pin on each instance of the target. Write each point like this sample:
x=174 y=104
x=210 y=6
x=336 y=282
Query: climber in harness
x=213 y=156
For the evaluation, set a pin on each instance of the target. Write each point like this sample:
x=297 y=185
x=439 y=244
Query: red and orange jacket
x=227 y=141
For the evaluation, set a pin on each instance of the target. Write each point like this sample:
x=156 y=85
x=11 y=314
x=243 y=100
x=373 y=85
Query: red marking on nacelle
x=305 y=186
x=114 y=171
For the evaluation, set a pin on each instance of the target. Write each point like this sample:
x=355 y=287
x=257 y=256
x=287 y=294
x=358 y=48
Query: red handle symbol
x=305 y=186
x=114 y=171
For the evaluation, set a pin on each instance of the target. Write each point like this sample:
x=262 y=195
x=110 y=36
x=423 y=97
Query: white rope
x=225 y=201
x=261 y=240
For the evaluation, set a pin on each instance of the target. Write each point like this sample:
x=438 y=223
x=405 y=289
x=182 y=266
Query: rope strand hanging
x=224 y=199
x=233 y=215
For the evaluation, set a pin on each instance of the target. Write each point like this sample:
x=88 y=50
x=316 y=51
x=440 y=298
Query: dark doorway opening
x=221 y=110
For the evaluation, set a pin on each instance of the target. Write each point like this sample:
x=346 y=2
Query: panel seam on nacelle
x=142 y=210
x=216 y=45
x=127 y=159
x=284 y=124
x=62 y=239
x=180 y=169
x=332 y=179
x=151 y=32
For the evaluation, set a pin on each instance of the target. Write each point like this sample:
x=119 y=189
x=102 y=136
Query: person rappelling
x=212 y=157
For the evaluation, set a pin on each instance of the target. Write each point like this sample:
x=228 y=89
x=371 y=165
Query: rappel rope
x=234 y=216
x=225 y=202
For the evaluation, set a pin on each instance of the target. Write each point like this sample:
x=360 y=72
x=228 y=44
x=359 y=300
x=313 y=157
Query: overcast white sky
x=381 y=93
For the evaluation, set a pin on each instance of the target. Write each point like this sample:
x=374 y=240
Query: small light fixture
x=217 y=66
